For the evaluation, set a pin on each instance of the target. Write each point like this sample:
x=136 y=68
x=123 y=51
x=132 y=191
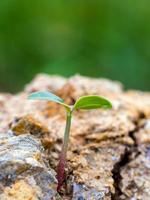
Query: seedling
x=84 y=102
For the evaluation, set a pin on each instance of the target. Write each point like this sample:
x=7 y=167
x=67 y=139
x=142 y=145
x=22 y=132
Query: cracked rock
x=92 y=170
x=108 y=155
x=135 y=183
x=135 y=175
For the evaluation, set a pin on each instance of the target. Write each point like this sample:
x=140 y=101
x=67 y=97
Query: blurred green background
x=101 y=38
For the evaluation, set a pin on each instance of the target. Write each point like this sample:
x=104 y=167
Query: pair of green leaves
x=84 y=102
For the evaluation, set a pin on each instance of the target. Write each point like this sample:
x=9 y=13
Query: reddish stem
x=62 y=159
x=61 y=170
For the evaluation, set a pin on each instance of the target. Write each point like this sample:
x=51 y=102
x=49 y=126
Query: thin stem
x=62 y=160
x=67 y=131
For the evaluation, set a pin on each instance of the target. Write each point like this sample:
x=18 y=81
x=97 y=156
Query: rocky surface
x=109 y=150
x=23 y=174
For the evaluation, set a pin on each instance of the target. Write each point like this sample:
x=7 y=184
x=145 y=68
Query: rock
x=28 y=124
x=143 y=133
x=92 y=170
x=78 y=86
x=140 y=100
x=135 y=183
x=23 y=173
x=108 y=155
x=45 y=82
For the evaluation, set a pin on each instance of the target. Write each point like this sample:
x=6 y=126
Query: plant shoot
x=84 y=102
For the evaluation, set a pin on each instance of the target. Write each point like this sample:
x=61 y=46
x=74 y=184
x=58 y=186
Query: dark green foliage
x=95 y=38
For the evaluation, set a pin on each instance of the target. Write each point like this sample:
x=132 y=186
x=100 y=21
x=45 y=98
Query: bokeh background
x=98 y=38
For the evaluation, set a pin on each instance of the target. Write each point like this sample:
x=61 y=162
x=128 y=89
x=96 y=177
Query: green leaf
x=92 y=102
x=47 y=96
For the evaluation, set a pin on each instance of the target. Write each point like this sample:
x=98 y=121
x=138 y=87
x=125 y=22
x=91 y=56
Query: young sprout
x=84 y=102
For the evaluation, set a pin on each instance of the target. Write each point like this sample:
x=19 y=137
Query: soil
x=109 y=150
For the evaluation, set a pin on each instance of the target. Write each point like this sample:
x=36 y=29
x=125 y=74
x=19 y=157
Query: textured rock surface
x=108 y=156
x=135 y=183
x=23 y=174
